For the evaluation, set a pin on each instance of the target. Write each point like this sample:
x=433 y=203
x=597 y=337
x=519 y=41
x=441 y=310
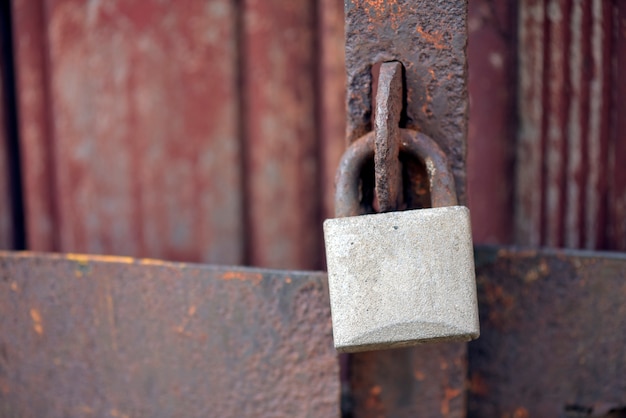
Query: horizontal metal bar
x=120 y=337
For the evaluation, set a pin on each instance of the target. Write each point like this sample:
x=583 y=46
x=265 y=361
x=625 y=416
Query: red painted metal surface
x=617 y=146
x=282 y=171
x=491 y=53
x=131 y=147
x=565 y=50
x=109 y=336
x=552 y=334
x=332 y=99
x=170 y=128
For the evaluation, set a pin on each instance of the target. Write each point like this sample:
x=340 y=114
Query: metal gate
x=210 y=132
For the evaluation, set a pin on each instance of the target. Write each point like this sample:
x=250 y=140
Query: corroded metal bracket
x=429 y=39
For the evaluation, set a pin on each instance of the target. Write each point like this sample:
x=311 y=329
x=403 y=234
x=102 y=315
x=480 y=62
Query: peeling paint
x=255 y=278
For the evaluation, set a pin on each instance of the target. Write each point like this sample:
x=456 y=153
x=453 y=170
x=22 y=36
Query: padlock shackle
x=442 y=187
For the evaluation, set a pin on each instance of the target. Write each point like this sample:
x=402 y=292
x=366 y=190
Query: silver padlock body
x=401 y=278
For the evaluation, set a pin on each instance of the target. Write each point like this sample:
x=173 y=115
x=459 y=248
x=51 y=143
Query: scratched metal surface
x=117 y=337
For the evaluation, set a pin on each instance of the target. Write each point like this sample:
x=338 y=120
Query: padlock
x=400 y=278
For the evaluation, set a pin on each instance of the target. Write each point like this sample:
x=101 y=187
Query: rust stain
x=503 y=303
x=434 y=38
x=255 y=278
x=288 y=280
x=495 y=294
x=380 y=12
x=478 y=385
x=449 y=394
x=531 y=276
x=111 y=313
x=542 y=270
x=419 y=375
x=429 y=96
x=380 y=7
x=181 y=329
x=373 y=401
x=36 y=317
x=118 y=414
x=5 y=389
x=84 y=409
x=86 y=259
x=521 y=413
x=201 y=338
x=153 y=262
x=14 y=287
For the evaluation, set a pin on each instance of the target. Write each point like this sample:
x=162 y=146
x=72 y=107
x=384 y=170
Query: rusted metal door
x=181 y=130
x=210 y=132
x=552 y=322
x=196 y=131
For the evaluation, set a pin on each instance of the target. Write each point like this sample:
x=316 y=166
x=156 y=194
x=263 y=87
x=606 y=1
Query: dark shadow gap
x=11 y=127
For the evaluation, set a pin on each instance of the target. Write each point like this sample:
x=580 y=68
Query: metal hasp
x=93 y=336
x=429 y=38
x=387 y=167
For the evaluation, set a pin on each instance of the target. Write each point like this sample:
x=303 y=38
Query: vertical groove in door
x=617 y=147
x=332 y=96
x=281 y=133
x=492 y=70
x=531 y=57
x=11 y=218
x=34 y=125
